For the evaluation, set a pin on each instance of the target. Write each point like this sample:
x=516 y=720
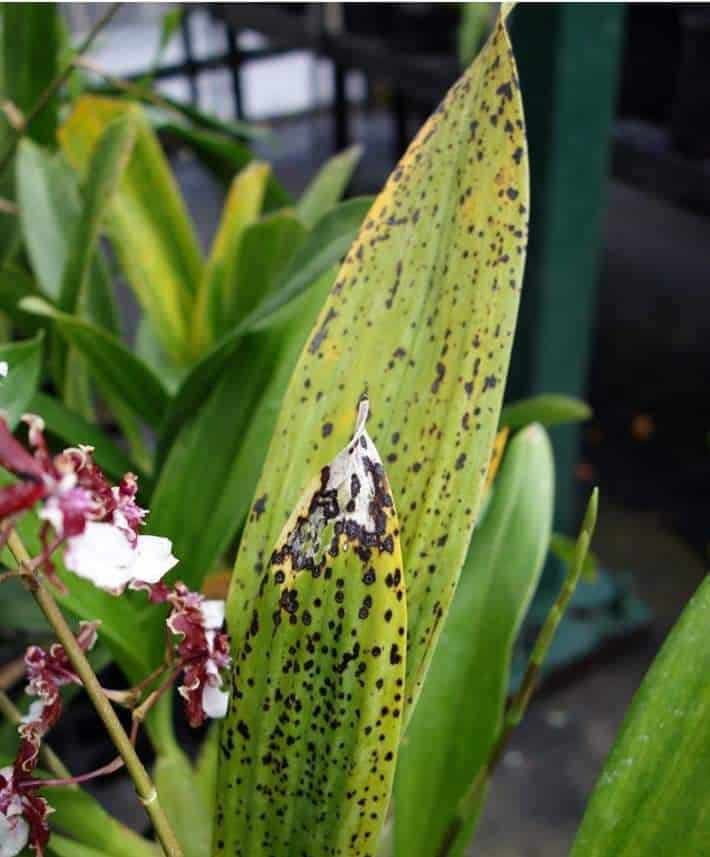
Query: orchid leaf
x=188 y=813
x=50 y=211
x=30 y=54
x=460 y=710
x=110 y=360
x=24 y=361
x=326 y=189
x=15 y=285
x=73 y=429
x=308 y=752
x=422 y=316
x=652 y=797
x=548 y=410
x=108 y=163
x=148 y=224
x=322 y=248
x=237 y=419
x=241 y=209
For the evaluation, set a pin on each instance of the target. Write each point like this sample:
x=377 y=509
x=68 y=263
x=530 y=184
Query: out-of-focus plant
x=339 y=431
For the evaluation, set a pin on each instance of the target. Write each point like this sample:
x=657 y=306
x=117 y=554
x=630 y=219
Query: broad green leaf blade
x=328 y=186
x=49 y=206
x=265 y=251
x=50 y=211
x=241 y=209
x=83 y=818
x=148 y=223
x=225 y=442
x=309 y=746
x=422 y=316
x=24 y=361
x=30 y=48
x=323 y=248
x=189 y=815
x=110 y=361
x=653 y=797
x=548 y=410
x=459 y=712
x=106 y=168
x=73 y=429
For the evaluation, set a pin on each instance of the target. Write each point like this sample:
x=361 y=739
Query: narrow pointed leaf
x=108 y=163
x=241 y=209
x=30 y=52
x=653 y=797
x=323 y=248
x=24 y=361
x=308 y=751
x=422 y=315
x=228 y=451
x=461 y=706
x=548 y=410
x=50 y=211
x=185 y=807
x=148 y=223
x=328 y=186
x=110 y=361
x=73 y=429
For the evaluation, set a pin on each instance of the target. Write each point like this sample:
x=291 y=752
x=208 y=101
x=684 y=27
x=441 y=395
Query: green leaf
x=225 y=442
x=328 y=186
x=148 y=223
x=73 y=429
x=110 y=361
x=107 y=166
x=323 y=247
x=206 y=768
x=460 y=710
x=30 y=48
x=653 y=797
x=264 y=252
x=87 y=822
x=241 y=209
x=224 y=156
x=308 y=751
x=548 y=410
x=24 y=361
x=15 y=285
x=180 y=796
x=422 y=317
x=50 y=214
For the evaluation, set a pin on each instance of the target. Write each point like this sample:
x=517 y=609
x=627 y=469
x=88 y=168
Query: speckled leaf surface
x=422 y=316
x=307 y=756
x=653 y=797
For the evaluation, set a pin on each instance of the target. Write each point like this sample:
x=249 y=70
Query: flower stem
x=145 y=788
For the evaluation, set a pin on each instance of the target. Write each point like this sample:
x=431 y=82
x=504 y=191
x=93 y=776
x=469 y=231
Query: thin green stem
x=55 y=84
x=521 y=699
x=145 y=788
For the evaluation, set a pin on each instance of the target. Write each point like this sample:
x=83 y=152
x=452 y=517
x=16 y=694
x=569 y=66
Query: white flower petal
x=212 y=610
x=4 y=368
x=51 y=512
x=103 y=555
x=34 y=712
x=214 y=700
x=154 y=558
x=14 y=833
